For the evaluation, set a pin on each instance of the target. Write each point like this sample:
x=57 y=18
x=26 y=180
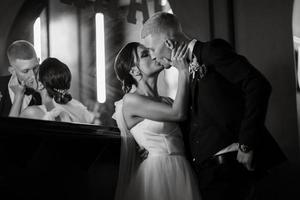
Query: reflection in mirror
x=296 y=38
x=85 y=36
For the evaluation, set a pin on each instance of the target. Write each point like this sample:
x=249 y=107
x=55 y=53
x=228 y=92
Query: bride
x=150 y=120
x=54 y=81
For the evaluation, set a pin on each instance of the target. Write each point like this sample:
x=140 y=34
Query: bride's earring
x=135 y=71
x=40 y=86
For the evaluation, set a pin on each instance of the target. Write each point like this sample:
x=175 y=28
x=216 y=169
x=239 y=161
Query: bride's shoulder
x=34 y=112
x=133 y=98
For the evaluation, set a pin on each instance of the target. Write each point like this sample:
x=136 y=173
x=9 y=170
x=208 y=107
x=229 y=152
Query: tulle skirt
x=164 y=177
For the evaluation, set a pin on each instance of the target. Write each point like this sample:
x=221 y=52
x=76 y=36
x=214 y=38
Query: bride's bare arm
x=141 y=106
x=32 y=112
x=18 y=100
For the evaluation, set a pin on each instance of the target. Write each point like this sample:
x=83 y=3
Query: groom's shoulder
x=4 y=81
x=218 y=49
x=218 y=43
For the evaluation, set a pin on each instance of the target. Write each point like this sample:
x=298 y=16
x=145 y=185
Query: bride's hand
x=18 y=89
x=178 y=57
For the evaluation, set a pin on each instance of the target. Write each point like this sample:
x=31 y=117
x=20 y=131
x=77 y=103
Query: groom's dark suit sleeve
x=255 y=87
x=5 y=102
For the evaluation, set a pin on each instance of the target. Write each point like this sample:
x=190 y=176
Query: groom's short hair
x=160 y=22
x=20 y=49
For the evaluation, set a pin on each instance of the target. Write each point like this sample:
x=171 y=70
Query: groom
x=23 y=65
x=225 y=135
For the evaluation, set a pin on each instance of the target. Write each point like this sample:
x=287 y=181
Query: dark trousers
x=228 y=180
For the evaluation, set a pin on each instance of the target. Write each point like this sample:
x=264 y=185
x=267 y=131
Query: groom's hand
x=246 y=159
x=143 y=153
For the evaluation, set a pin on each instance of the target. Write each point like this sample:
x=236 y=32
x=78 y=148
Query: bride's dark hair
x=56 y=78
x=124 y=61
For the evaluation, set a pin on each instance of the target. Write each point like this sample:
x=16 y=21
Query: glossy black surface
x=55 y=160
x=43 y=127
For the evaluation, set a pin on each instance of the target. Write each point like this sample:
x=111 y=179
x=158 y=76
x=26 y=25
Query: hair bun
x=62 y=96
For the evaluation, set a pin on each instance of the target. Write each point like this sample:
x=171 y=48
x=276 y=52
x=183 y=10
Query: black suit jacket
x=229 y=105
x=5 y=101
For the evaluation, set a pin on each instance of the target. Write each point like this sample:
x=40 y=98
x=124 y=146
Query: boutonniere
x=194 y=67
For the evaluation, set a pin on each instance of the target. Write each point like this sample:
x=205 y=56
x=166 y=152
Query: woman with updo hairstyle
x=151 y=121
x=56 y=78
x=54 y=82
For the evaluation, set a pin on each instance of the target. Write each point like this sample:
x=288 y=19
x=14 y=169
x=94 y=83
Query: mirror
x=86 y=36
x=296 y=39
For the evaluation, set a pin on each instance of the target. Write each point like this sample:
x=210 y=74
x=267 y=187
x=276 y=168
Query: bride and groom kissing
x=210 y=142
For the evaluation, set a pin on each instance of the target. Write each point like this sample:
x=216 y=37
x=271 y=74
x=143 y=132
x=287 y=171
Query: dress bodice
x=158 y=137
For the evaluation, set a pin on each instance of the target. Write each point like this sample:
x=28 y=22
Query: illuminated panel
x=100 y=58
x=37 y=37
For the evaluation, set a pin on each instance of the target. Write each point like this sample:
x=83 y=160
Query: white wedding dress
x=73 y=111
x=165 y=174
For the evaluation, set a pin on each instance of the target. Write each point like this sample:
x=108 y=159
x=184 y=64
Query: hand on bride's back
x=142 y=152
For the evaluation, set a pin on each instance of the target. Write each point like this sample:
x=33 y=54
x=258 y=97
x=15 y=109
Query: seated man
x=23 y=63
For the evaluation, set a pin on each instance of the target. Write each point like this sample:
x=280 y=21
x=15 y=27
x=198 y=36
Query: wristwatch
x=244 y=148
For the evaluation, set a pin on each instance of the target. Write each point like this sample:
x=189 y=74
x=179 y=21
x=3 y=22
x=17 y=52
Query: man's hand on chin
x=245 y=159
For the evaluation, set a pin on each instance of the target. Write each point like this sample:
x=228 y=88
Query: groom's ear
x=11 y=69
